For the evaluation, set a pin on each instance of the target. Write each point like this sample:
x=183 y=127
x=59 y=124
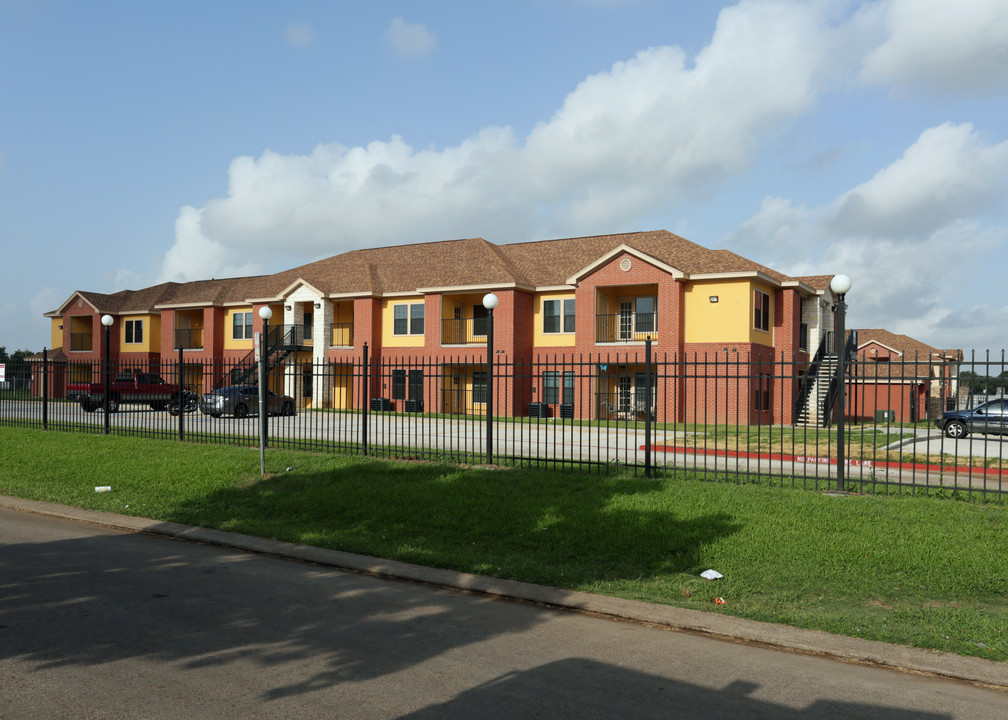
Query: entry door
x=626 y=320
x=624 y=393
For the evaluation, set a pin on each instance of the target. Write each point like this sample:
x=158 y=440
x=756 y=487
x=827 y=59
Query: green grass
x=921 y=571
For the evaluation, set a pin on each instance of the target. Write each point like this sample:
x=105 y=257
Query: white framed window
x=558 y=316
x=761 y=311
x=134 y=331
x=241 y=326
x=408 y=319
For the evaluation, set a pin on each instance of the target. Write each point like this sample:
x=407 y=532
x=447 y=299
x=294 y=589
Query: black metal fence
x=719 y=416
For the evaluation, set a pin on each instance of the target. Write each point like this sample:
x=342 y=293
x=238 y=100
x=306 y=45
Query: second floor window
x=241 y=328
x=134 y=331
x=558 y=316
x=761 y=312
x=408 y=319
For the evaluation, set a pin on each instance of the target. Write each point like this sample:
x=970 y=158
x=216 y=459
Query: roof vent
x=625 y=264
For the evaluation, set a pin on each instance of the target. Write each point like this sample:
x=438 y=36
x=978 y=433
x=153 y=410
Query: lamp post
x=841 y=285
x=107 y=321
x=489 y=302
x=265 y=313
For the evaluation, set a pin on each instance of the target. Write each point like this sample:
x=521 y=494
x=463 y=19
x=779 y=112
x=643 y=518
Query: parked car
x=988 y=418
x=242 y=401
x=128 y=387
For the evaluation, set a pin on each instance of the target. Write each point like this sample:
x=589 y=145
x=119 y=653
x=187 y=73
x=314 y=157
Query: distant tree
x=16 y=363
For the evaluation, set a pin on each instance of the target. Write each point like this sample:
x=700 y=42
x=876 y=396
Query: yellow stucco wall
x=57 y=333
x=229 y=342
x=151 y=334
x=389 y=339
x=557 y=339
x=728 y=320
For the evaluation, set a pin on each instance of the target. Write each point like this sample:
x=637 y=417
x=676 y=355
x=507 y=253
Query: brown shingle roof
x=451 y=263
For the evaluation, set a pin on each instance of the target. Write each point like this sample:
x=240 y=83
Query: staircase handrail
x=810 y=378
x=849 y=348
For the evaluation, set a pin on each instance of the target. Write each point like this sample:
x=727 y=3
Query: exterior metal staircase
x=819 y=389
x=281 y=341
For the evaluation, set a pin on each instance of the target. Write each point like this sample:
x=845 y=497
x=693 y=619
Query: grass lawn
x=919 y=571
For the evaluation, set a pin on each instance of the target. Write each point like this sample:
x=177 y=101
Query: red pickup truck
x=131 y=387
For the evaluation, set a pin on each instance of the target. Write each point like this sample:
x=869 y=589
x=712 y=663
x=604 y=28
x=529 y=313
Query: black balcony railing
x=80 y=342
x=463 y=331
x=626 y=327
x=188 y=338
x=341 y=335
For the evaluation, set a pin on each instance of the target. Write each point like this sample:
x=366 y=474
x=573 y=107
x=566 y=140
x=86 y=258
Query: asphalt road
x=99 y=623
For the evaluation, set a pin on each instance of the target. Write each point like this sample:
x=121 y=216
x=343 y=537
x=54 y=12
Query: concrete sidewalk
x=714 y=625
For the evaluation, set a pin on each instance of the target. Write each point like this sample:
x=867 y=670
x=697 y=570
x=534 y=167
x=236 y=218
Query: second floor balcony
x=464 y=331
x=626 y=327
x=80 y=342
x=341 y=335
x=189 y=338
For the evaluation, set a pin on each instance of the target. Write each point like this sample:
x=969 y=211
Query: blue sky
x=143 y=142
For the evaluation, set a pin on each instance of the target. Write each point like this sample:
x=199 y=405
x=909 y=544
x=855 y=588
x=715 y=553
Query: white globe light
x=107 y=320
x=840 y=284
x=265 y=313
x=490 y=301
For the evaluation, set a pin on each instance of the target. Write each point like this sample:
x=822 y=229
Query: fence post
x=366 y=401
x=647 y=407
x=181 y=405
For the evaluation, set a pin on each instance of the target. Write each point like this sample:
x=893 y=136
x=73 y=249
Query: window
x=416 y=384
x=134 y=331
x=558 y=314
x=761 y=314
x=241 y=326
x=568 y=387
x=479 y=391
x=400 y=321
x=398 y=384
x=761 y=396
x=551 y=387
x=408 y=319
x=646 y=314
x=480 y=314
x=416 y=319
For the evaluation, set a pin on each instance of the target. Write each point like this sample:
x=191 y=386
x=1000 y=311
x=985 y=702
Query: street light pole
x=107 y=321
x=489 y=302
x=265 y=313
x=841 y=285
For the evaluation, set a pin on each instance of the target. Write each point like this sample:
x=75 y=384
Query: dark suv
x=990 y=417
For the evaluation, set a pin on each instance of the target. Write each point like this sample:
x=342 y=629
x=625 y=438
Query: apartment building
x=418 y=309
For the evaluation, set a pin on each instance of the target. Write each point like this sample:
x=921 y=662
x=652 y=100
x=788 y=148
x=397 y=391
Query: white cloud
x=901 y=235
x=410 y=40
x=299 y=34
x=948 y=173
x=941 y=45
x=647 y=135
x=197 y=257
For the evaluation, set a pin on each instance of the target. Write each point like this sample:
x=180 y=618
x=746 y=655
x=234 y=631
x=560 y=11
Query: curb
x=973 y=670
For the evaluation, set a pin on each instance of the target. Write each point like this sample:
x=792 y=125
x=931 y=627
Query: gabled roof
x=470 y=263
x=908 y=347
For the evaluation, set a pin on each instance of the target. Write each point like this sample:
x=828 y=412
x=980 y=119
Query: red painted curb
x=814 y=460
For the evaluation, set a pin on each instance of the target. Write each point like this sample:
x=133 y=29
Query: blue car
x=988 y=418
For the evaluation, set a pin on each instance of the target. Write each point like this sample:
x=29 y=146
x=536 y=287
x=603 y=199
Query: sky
x=182 y=140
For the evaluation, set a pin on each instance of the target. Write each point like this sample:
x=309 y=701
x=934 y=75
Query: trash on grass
x=103 y=488
x=711 y=575
x=719 y=601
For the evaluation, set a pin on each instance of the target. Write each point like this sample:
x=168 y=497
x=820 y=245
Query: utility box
x=885 y=416
x=539 y=410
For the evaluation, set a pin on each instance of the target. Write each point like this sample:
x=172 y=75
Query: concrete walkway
x=937 y=664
